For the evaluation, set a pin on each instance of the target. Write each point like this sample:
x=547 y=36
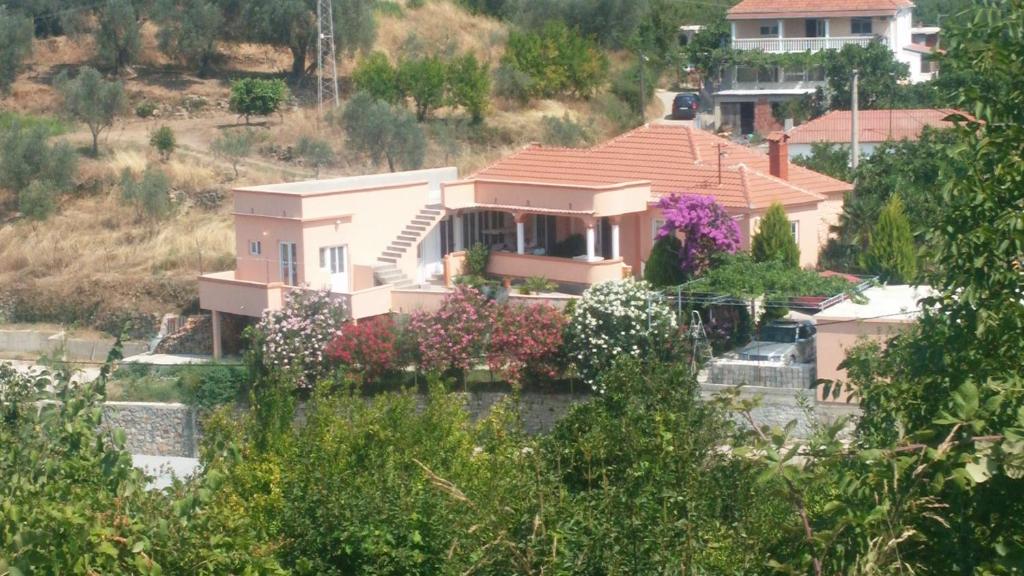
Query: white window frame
x=772 y=30
x=794 y=228
x=289 y=263
x=862 y=20
x=335 y=264
x=255 y=248
x=656 y=224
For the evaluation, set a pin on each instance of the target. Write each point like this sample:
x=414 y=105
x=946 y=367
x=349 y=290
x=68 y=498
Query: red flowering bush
x=526 y=341
x=368 y=347
x=456 y=334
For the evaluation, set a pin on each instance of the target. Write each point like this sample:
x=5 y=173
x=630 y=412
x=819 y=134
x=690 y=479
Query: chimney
x=778 y=155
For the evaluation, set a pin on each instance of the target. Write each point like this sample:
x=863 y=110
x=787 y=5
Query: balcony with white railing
x=783 y=45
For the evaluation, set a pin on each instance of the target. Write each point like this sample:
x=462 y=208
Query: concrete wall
x=39 y=342
x=835 y=339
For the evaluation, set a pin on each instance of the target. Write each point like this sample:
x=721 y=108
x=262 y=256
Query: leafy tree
x=117 y=38
x=257 y=97
x=26 y=156
x=234 y=145
x=558 y=61
x=710 y=49
x=315 y=152
x=469 y=85
x=662 y=268
x=383 y=132
x=891 y=252
x=377 y=77
x=189 y=30
x=626 y=86
x=774 y=239
x=880 y=75
x=828 y=158
x=92 y=100
x=513 y=84
x=37 y=200
x=292 y=24
x=15 y=45
x=423 y=79
x=150 y=194
x=163 y=141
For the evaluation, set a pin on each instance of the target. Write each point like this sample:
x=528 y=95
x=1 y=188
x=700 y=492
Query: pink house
x=377 y=240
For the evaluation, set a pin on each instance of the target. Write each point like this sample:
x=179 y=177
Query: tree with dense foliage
x=26 y=156
x=513 y=84
x=891 y=252
x=257 y=97
x=118 y=40
x=234 y=145
x=163 y=141
x=774 y=239
x=15 y=45
x=315 y=152
x=90 y=99
x=422 y=78
x=189 y=30
x=375 y=75
x=469 y=85
x=291 y=24
x=880 y=75
x=558 y=61
x=706 y=227
x=37 y=200
x=662 y=268
x=614 y=320
x=828 y=158
x=384 y=132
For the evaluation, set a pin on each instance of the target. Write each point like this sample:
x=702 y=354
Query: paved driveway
x=665 y=98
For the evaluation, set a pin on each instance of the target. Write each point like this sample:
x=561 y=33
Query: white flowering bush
x=615 y=319
x=294 y=337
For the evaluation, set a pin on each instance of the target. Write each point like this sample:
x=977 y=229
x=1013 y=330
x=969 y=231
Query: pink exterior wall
x=597 y=201
x=835 y=338
x=809 y=220
x=557 y=269
x=220 y=291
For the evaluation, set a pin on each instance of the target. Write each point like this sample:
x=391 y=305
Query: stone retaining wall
x=762 y=374
x=172 y=429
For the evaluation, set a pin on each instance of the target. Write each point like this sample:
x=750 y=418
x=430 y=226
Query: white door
x=334 y=260
x=289 y=264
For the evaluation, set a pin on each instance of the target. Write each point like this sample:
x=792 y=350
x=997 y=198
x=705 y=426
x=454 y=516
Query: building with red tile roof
x=816 y=8
x=874 y=127
x=678 y=159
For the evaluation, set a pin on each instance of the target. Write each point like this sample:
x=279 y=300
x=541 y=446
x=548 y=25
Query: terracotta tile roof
x=875 y=125
x=674 y=159
x=750 y=9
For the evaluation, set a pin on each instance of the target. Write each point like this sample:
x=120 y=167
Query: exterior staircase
x=386 y=270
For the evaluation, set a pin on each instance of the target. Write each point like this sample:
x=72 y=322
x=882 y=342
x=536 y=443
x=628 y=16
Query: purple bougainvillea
x=705 y=226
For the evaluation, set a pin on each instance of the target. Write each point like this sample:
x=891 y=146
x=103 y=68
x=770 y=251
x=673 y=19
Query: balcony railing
x=783 y=45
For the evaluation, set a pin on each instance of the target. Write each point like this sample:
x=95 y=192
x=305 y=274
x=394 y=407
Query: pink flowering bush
x=368 y=347
x=526 y=342
x=454 y=336
x=706 y=227
x=294 y=337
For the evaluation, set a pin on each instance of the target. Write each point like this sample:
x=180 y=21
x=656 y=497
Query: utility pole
x=326 y=60
x=854 y=124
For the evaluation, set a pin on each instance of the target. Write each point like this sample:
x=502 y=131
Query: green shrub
x=257 y=97
x=512 y=84
x=27 y=157
x=315 y=152
x=212 y=385
x=566 y=132
x=15 y=45
x=891 y=253
x=774 y=239
x=476 y=260
x=151 y=194
x=536 y=285
x=146 y=109
x=662 y=268
x=37 y=200
x=626 y=86
x=622 y=116
x=558 y=60
x=469 y=85
x=163 y=141
x=377 y=77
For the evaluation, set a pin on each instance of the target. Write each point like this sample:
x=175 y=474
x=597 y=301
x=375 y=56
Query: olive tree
x=15 y=45
x=382 y=131
x=92 y=100
x=117 y=38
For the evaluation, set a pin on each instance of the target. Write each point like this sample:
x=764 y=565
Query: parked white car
x=783 y=342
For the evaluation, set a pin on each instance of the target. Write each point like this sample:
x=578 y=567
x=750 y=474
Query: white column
x=732 y=32
x=615 y=240
x=782 y=28
x=827 y=32
x=457 y=229
x=591 y=242
x=520 y=237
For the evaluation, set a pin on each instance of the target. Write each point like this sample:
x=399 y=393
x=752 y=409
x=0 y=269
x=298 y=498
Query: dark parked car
x=784 y=342
x=685 y=106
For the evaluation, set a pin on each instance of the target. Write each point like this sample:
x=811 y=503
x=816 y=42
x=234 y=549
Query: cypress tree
x=891 y=252
x=774 y=239
x=662 y=267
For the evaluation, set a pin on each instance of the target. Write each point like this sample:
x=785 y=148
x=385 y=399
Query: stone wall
x=173 y=430
x=153 y=428
x=762 y=374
